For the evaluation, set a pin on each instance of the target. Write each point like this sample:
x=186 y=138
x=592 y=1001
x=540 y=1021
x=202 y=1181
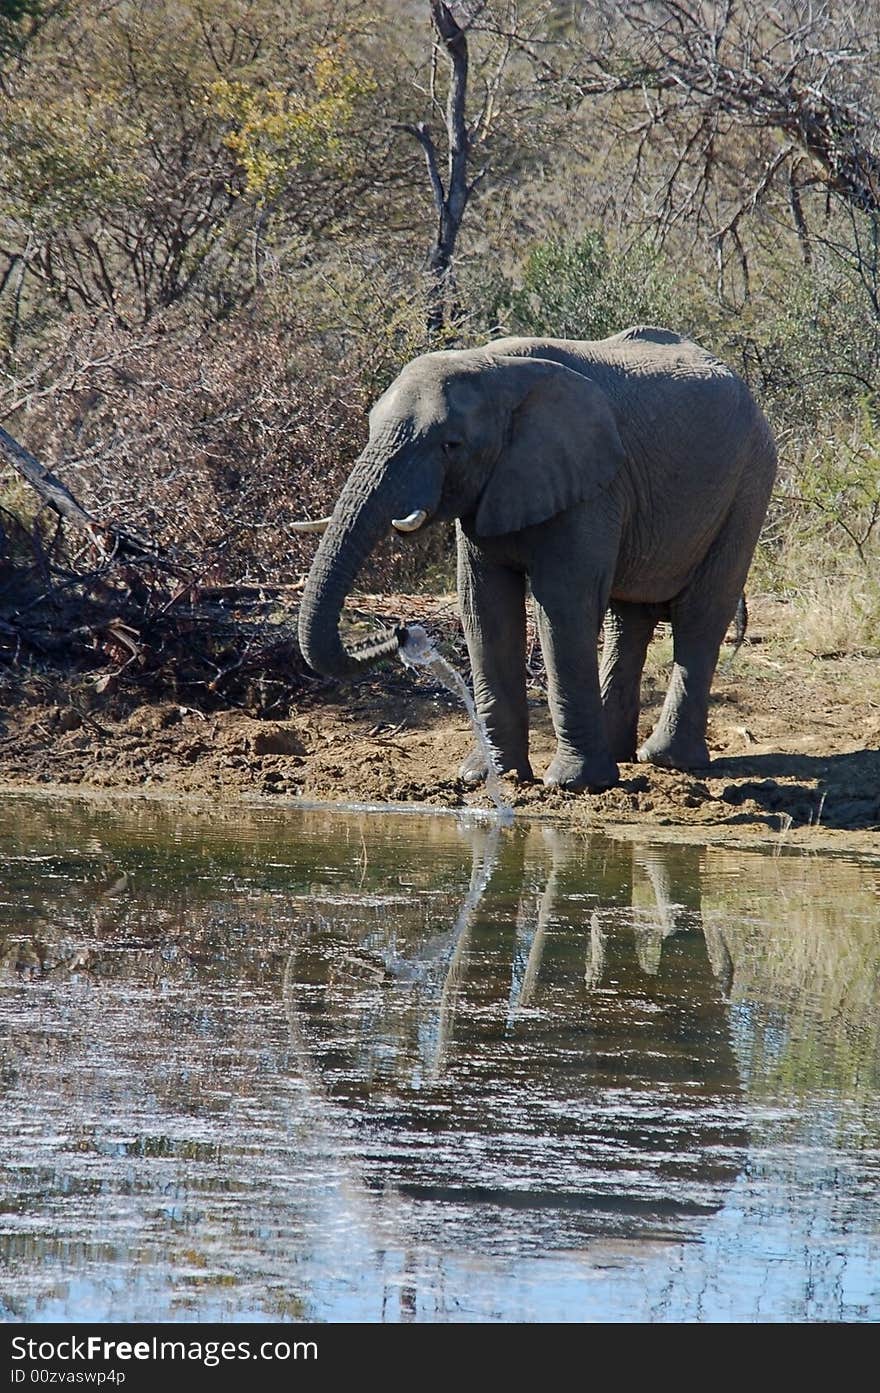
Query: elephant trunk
x=371 y=498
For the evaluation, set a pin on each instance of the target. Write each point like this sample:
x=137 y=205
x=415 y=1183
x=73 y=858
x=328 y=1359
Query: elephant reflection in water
x=557 y=1063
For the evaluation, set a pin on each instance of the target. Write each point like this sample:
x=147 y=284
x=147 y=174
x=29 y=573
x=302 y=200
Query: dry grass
x=836 y=615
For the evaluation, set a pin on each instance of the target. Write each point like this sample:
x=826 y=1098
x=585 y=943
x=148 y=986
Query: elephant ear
x=562 y=446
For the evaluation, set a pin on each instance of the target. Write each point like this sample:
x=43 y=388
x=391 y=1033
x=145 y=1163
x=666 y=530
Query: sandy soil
x=795 y=740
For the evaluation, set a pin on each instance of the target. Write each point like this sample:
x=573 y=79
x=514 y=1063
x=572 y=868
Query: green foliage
x=74 y=161
x=841 y=483
x=374 y=319
x=584 y=289
x=152 y=152
x=271 y=132
x=19 y=20
x=810 y=343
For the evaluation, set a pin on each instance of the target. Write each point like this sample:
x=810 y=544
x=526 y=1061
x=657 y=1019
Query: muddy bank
x=795 y=739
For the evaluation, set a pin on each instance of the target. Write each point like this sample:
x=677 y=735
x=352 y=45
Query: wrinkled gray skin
x=630 y=475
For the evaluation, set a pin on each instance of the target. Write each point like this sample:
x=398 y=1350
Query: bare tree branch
x=734 y=70
x=59 y=498
x=422 y=134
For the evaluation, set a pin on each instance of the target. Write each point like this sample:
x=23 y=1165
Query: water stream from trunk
x=417 y=650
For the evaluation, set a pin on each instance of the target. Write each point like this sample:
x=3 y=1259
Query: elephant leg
x=700 y=617
x=628 y=630
x=492 y=601
x=568 y=615
x=678 y=740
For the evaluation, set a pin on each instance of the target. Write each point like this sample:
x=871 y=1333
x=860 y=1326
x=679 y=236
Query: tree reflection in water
x=280 y=1063
x=559 y=1064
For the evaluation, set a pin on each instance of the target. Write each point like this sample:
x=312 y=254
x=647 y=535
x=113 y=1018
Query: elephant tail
x=740 y=624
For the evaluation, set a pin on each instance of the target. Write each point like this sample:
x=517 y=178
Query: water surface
x=327 y=1066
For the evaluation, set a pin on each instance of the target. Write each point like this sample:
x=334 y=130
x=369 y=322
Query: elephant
x=625 y=478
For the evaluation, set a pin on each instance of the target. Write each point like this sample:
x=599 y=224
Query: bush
x=809 y=345
x=212 y=439
x=582 y=289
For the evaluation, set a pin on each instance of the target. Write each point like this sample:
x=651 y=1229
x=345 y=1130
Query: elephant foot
x=473 y=769
x=688 y=756
x=581 y=775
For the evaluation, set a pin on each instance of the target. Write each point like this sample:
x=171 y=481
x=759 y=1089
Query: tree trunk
x=450 y=196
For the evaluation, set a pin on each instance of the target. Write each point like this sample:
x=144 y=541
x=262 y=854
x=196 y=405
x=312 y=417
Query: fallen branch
x=62 y=501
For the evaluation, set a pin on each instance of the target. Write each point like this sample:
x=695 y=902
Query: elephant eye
x=450 y=446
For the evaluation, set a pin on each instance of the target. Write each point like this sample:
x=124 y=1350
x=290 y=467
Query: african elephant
x=631 y=475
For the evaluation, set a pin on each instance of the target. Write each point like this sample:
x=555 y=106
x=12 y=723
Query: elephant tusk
x=317 y=525
x=411 y=523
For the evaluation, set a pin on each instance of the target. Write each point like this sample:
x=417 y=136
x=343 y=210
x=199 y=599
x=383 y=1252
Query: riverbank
x=795 y=740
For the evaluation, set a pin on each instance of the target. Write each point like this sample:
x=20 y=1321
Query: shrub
x=212 y=439
x=583 y=289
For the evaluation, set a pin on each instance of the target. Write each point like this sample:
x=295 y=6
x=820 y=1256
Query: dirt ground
x=795 y=741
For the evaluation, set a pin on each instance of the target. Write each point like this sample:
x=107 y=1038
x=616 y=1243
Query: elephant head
x=502 y=442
